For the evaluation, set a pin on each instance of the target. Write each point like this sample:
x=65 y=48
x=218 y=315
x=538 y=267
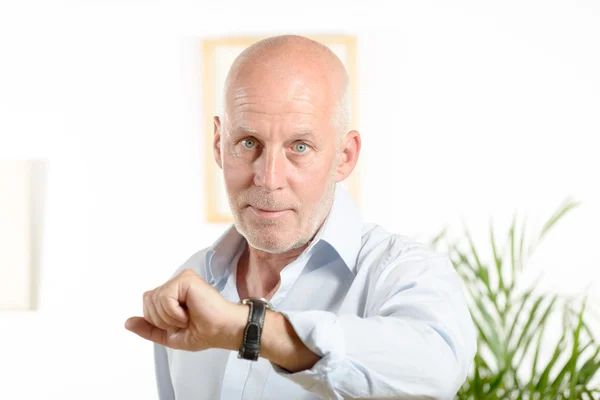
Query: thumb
x=146 y=330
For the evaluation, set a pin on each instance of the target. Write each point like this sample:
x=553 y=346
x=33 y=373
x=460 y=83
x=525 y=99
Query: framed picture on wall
x=219 y=55
x=16 y=272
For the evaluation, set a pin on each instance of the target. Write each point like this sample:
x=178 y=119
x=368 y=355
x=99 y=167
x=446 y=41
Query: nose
x=270 y=170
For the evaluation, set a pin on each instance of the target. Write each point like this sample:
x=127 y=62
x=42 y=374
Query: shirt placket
x=244 y=379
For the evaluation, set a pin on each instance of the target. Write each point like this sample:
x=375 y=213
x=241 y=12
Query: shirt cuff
x=321 y=332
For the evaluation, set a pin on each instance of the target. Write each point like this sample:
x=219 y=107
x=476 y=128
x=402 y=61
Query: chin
x=268 y=242
x=271 y=236
x=271 y=242
x=271 y=250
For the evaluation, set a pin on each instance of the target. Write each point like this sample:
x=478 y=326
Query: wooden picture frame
x=218 y=55
x=18 y=277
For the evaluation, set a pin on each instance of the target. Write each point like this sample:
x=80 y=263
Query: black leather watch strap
x=250 y=348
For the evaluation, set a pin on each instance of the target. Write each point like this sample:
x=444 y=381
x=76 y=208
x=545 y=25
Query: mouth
x=269 y=214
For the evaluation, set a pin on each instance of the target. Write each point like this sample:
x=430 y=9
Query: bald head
x=292 y=66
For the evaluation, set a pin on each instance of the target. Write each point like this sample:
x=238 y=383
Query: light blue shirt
x=387 y=315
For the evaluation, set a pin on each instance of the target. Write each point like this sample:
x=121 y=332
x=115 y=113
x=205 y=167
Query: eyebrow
x=305 y=132
x=244 y=129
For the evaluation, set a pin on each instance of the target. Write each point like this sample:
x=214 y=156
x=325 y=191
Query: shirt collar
x=341 y=230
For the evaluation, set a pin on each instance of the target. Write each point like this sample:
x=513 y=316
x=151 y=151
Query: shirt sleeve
x=163 y=377
x=416 y=339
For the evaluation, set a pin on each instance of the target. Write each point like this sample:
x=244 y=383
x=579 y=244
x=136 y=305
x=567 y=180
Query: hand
x=187 y=313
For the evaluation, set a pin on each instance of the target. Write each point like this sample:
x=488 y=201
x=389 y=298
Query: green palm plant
x=512 y=321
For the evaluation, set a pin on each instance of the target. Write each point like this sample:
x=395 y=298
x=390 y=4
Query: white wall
x=467 y=110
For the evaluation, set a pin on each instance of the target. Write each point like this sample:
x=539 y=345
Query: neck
x=259 y=272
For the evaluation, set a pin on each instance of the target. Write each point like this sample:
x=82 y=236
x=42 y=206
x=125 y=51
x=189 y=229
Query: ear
x=349 y=155
x=217 y=142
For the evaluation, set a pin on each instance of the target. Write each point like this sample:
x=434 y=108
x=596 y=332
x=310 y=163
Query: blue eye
x=249 y=143
x=300 y=147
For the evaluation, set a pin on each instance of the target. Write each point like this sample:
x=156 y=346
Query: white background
x=468 y=110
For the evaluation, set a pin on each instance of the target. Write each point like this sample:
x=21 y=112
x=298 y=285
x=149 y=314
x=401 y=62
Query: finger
x=172 y=317
x=146 y=302
x=155 y=318
x=175 y=310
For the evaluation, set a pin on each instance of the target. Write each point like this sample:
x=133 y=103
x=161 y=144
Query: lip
x=268 y=214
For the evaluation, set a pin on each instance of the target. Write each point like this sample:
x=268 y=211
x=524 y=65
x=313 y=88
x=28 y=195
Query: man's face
x=278 y=155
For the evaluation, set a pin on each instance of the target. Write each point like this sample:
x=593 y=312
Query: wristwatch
x=250 y=348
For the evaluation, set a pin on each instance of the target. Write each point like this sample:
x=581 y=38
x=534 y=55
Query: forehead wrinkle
x=291 y=93
x=242 y=127
x=245 y=104
x=248 y=111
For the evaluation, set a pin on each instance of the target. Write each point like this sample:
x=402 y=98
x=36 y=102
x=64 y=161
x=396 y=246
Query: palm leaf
x=524 y=301
x=513 y=261
x=493 y=340
x=542 y=382
x=566 y=206
x=576 y=350
x=530 y=335
x=540 y=334
x=562 y=210
x=433 y=243
x=521 y=259
x=589 y=368
x=496 y=382
x=497 y=260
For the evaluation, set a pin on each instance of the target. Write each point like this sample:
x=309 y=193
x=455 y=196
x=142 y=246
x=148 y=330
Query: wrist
x=271 y=338
x=232 y=333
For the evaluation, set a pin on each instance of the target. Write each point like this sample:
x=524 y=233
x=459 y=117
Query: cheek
x=237 y=172
x=310 y=184
x=235 y=154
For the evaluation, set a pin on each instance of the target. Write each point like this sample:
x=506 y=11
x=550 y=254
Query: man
x=333 y=308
